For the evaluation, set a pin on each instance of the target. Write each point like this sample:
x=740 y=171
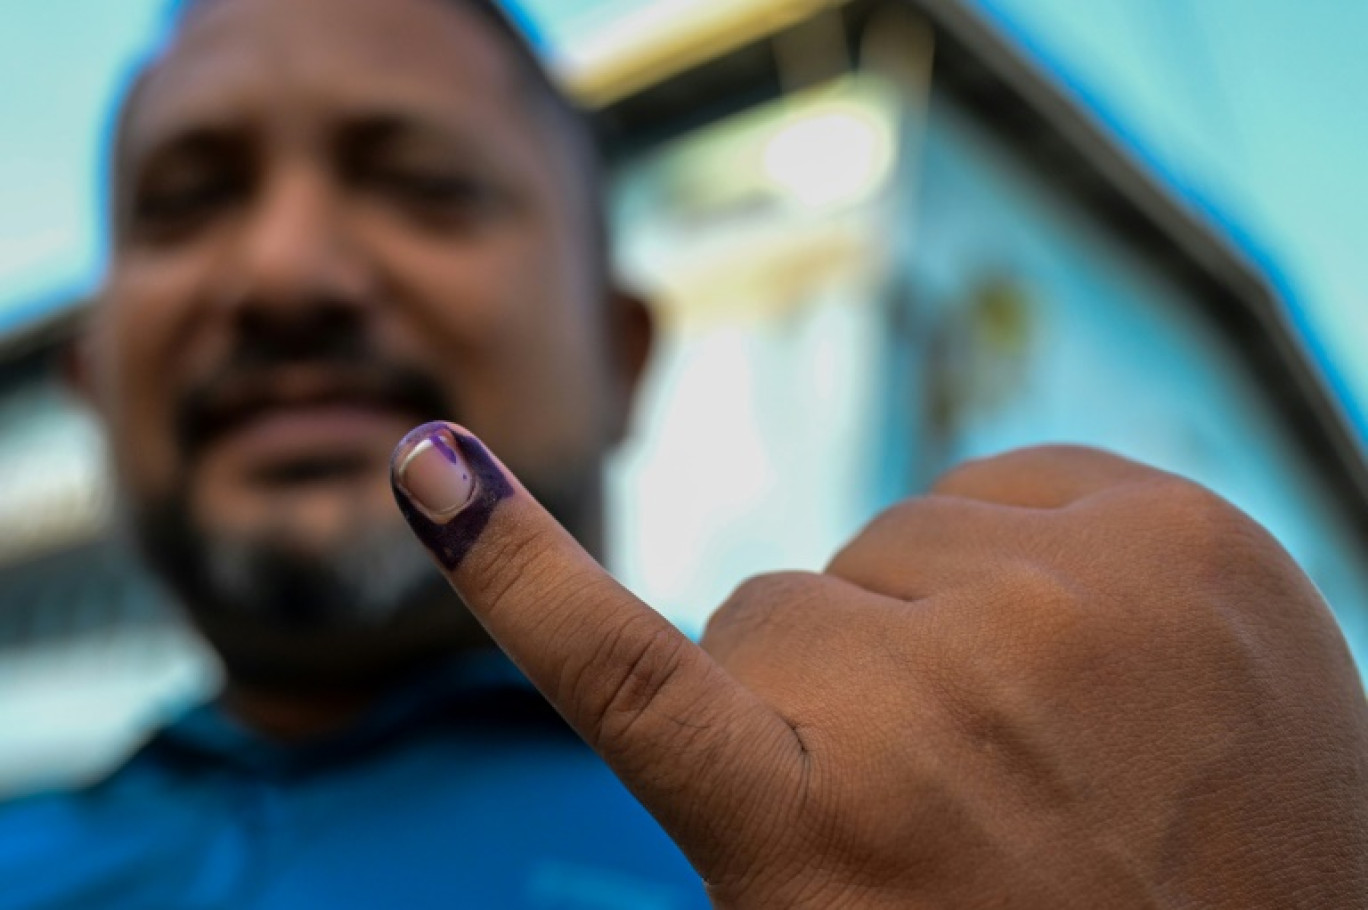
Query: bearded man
x=1060 y=679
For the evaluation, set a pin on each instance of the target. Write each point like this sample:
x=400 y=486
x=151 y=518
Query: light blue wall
x=1048 y=329
x=1252 y=108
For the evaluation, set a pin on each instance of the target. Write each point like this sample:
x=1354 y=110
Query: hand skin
x=1059 y=680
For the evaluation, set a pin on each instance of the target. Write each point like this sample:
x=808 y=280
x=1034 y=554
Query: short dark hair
x=567 y=116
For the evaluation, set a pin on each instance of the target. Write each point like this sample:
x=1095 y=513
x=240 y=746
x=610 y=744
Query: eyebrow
x=202 y=133
x=132 y=158
x=191 y=137
x=375 y=124
x=385 y=124
x=370 y=125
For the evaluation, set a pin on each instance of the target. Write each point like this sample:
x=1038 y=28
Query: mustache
x=325 y=369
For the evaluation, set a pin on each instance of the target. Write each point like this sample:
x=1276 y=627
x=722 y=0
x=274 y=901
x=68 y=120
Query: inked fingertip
x=447 y=486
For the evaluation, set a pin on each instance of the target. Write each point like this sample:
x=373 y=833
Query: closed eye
x=434 y=197
x=186 y=185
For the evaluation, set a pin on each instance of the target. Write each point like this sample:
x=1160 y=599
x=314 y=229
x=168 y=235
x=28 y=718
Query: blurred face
x=335 y=219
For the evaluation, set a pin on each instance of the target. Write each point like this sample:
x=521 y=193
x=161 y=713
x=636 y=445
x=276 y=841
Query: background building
x=881 y=240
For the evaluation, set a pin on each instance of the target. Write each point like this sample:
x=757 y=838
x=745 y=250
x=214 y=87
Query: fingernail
x=447 y=486
x=435 y=476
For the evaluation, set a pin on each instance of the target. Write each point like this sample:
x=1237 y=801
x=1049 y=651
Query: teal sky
x=1248 y=106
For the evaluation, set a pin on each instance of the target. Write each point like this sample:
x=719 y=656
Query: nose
x=294 y=263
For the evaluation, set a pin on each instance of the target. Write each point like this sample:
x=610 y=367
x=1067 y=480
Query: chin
x=318 y=557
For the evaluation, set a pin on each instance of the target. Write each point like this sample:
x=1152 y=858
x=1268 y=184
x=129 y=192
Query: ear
x=633 y=329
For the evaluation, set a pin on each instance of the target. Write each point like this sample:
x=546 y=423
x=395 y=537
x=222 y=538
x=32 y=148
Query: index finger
x=659 y=709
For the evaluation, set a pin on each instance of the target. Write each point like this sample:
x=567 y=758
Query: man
x=1060 y=680
x=333 y=219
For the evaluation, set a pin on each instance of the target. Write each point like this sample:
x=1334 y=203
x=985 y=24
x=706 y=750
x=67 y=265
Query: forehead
x=236 y=57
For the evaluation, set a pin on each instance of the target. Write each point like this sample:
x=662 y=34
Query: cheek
x=141 y=337
x=509 y=325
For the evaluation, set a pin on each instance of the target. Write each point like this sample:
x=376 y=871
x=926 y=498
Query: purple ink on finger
x=475 y=480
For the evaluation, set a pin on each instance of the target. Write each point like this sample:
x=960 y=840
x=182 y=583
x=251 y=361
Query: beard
x=286 y=608
x=366 y=581
x=270 y=580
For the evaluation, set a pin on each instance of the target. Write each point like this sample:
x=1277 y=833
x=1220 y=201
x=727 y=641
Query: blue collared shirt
x=465 y=790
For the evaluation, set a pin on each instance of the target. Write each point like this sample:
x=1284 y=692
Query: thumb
x=679 y=731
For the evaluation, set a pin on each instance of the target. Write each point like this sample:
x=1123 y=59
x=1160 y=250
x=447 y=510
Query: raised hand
x=1060 y=680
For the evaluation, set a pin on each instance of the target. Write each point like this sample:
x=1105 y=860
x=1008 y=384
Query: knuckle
x=1050 y=476
x=1026 y=460
x=967 y=474
x=1188 y=500
x=909 y=511
x=1221 y=566
x=756 y=602
x=1036 y=608
x=1042 y=588
x=1196 y=524
x=911 y=519
x=648 y=662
